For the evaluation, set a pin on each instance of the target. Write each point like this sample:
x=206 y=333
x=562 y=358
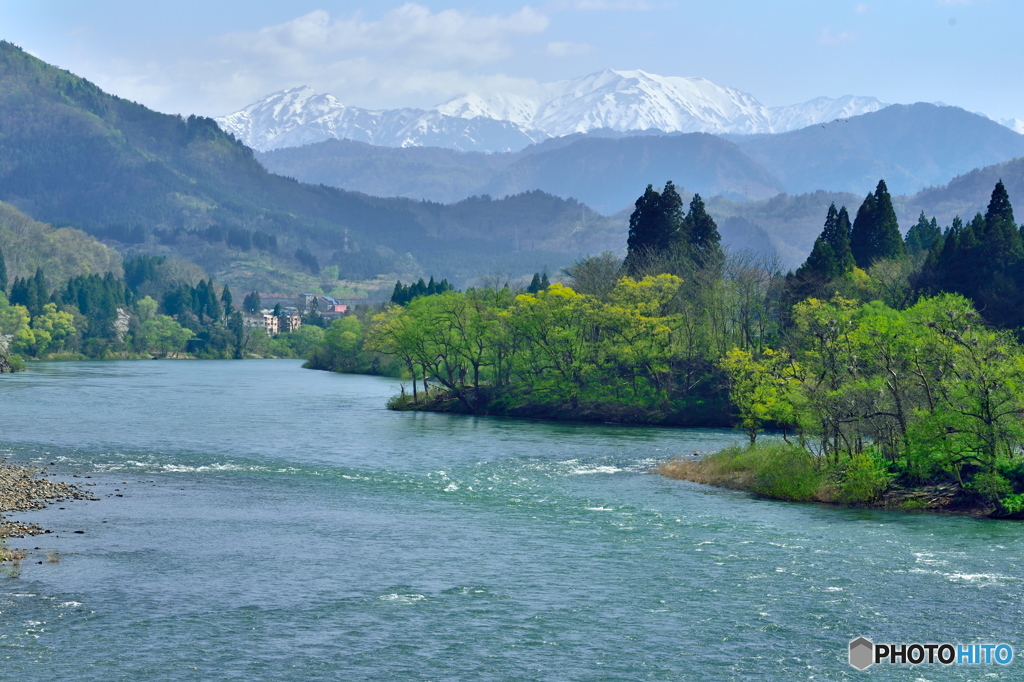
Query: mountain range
x=620 y=101
x=911 y=146
x=72 y=155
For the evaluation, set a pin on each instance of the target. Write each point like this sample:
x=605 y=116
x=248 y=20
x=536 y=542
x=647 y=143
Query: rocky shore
x=21 y=489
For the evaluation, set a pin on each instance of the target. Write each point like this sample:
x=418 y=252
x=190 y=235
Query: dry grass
x=711 y=470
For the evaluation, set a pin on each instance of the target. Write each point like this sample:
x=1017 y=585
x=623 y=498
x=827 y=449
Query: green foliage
x=923 y=236
x=876 y=233
x=982 y=260
x=404 y=294
x=664 y=239
x=115 y=169
x=865 y=477
x=787 y=472
x=781 y=471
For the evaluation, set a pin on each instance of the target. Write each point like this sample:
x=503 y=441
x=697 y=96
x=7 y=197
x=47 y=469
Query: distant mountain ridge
x=911 y=146
x=621 y=101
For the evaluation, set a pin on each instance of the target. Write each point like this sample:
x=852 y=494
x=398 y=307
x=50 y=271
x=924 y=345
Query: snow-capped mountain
x=821 y=110
x=300 y=116
x=622 y=101
x=1014 y=124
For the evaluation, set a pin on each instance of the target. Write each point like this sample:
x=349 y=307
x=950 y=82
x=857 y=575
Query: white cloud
x=861 y=8
x=564 y=49
x=827 y=37
x=409 y=55
x=408 y=32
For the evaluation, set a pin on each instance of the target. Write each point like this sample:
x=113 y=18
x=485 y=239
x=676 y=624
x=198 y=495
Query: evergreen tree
x=534 y=284
x=225 y=298
x=831 y=257
x=3 y=274
x=922 y=236
x=702 y=235
x=876 y=233
x=656 y=227
x=252 y=303
x=544 y=282
x=1001 y=242
x=398 y=296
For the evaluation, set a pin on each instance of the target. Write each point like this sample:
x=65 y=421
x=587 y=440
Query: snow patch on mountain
x=821 y=110
x=299 y=116
x=623 y=101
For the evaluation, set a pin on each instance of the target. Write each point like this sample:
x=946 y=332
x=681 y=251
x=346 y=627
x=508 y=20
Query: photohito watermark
x=864 y=653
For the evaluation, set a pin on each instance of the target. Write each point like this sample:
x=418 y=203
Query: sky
x=215 y=57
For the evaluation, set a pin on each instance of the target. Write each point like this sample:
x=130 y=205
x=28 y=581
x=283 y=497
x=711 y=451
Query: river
x=260 y=521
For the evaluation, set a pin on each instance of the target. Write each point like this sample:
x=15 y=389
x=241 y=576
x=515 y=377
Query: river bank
x=21 y=489
x=734 y=469
x=711 y=412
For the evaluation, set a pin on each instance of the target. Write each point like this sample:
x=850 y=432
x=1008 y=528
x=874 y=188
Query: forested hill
x=72 y=155
x=27 y=244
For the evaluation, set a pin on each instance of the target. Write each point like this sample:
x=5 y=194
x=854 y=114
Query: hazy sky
x=216 y=56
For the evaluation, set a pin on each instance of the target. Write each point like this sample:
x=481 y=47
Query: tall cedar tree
x=1001 y=241
x=702 y=234
x=3 y=274
x=225 y=298
x=876 y=233
x=922 y=236
x=831 y=256
x=655 y=226
x=983 y=261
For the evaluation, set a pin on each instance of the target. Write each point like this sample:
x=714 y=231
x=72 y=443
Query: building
x=288 y=321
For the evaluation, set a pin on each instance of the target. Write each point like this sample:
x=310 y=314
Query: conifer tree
x=535 y=286
x=3 y=274
x=922 y=236
x=398 y=295
x=225 y=298
x=876 y=233
x=702 y=235
x=656 y=226
x=831 y=257
x=1001 y=242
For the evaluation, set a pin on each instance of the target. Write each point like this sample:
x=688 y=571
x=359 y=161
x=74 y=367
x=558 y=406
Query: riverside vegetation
x=891 y=365
x=159 y=308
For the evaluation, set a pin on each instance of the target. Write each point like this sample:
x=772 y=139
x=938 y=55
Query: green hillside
x=27 y=244
x=72 y=155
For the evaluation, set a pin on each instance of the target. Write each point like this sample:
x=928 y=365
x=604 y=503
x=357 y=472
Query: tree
x=922 y=236
x=656 y=227
x=3 y=274
x=702 y=235
x=876 y=233
x=252 y=303
x=595 y=275
x=758 y=387
x=831 y=257
x=225 y=298
x=534 y=284
x=1001 y=241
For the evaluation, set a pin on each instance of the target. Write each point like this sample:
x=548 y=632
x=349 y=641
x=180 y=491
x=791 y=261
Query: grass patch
x=779 y=471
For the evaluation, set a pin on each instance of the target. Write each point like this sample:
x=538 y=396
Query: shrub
x=785 y=472
x=864 y=479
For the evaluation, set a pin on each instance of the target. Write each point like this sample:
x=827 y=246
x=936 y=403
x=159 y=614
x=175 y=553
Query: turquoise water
x=261 y=521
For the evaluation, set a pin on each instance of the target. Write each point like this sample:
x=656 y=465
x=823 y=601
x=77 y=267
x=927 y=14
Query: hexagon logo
x=862 y=653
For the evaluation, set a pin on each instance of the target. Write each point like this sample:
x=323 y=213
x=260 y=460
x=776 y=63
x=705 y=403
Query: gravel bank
x=22 y=490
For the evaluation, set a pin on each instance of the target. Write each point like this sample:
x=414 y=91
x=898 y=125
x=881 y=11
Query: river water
x=261 y=521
